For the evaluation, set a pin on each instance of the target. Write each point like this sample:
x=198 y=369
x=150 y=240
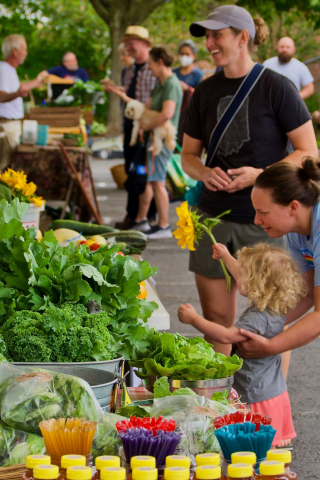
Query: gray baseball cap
x=224 y=17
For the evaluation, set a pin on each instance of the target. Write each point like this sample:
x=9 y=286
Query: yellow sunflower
x=186 y=231
x=29 y=189
x=37 y=201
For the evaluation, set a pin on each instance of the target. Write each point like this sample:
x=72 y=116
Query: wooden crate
x=56 y=116
x=87 y=115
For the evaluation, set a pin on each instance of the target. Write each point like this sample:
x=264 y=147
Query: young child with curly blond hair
x=270 y=280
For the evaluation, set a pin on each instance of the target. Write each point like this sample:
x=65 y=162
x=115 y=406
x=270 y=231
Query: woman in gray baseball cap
x=257 y=137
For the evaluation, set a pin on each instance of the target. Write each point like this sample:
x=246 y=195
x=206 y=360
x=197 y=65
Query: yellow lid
x=244 y=457
x=206 y=472
x=176 y=473
x=207 y=459
x=113 y=473
x=34 y=460
x=271 y=468
x=178 y=461
x=73 y=461
x=280 y=455
x=143 y=461
x=144 y=473
x=79 y=473
x=107 y=461
x=46 y=472
x=240 y=470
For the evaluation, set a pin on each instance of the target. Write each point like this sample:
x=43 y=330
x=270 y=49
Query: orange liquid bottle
x=272 y=470
x=103 y=462
x=71 y=461
x=282 y=455
x=113 y=473
x=237 y=471
x=32 y=461
x=46 y=472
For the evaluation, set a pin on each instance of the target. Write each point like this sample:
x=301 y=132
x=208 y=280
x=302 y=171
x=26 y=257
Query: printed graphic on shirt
x=308 y=256
x=238 y=131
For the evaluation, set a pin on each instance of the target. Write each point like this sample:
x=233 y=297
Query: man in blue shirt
x=68 y=69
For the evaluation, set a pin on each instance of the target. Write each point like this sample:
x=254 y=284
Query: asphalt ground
x=175 y=285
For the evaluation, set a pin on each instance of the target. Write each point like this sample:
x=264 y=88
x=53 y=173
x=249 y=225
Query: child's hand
x=220 y=251
x=186 y=313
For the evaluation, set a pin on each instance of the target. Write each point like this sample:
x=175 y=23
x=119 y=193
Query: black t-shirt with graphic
x=256 y=136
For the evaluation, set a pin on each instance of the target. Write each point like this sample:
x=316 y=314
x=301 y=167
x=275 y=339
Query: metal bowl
x=205 y=388
x=102 y=383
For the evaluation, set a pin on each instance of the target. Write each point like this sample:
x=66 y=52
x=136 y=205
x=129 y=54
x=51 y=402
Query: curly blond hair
x=270 y=278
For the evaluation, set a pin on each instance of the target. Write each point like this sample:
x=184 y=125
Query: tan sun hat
x=138 y=33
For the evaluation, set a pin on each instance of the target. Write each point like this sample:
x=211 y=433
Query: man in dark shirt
x=69 y=69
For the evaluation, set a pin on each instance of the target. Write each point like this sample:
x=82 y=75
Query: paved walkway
x=175 y=285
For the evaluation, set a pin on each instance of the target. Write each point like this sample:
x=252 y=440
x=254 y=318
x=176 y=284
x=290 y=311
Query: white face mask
x=185 y=60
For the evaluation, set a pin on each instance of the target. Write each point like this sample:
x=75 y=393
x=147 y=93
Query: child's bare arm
x=221 y=251
x=187 y=314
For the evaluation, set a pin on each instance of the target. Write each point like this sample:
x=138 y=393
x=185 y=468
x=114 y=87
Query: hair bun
x=262 y=31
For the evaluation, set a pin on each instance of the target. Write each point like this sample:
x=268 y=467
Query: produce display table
x=47 y=168
x=135 y=393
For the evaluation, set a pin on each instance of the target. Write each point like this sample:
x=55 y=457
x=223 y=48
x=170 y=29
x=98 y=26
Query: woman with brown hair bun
x=257 y=137
x=287 y=202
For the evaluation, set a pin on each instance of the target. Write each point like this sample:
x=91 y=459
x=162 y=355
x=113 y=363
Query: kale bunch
x=61 y=334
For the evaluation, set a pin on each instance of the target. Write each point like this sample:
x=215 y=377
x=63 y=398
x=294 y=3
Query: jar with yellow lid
x=176 y=473
x=144 y=473
x=207 y=459
x=282 y=455
x=178 y=461
x=70 y=461
x=103 y=462
x=79 y=473
x=240 y=470
x=46 y=472
x=32 y=461
x=113 y=473
x=208 y=472
x=272 y=470
x=139 y=461
x=247 y=457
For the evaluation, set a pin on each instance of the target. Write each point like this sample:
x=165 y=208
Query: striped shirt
x=145 y=82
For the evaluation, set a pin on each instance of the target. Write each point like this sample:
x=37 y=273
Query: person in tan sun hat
x=138 y=84
x=135 y=32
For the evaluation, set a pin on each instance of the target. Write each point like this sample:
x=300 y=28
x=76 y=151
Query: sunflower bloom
x=29 y=189
x=37 y=201
x=186 y=232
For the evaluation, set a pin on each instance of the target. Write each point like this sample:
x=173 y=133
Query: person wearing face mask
x=189 y=75
x=257 y=137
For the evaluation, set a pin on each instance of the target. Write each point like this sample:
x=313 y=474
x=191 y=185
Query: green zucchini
x=131 y=237
x=87 y=229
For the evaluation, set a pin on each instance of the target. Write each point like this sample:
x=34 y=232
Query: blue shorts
x=158 y=168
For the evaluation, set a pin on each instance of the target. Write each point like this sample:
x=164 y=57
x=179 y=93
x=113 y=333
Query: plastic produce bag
x=197 y=429
x=29 y=395
x=106 y=440
x=15 y=446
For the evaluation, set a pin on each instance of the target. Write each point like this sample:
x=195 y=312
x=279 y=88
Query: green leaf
x=5 y=192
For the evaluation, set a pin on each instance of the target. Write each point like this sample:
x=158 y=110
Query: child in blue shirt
x=269 y=278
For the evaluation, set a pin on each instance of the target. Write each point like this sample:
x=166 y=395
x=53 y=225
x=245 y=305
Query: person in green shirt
x=166 y=98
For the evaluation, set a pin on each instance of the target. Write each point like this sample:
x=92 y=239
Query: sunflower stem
x=228 y=278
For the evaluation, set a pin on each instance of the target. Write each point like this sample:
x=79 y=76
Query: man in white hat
x=285 y=64
x=138 y=83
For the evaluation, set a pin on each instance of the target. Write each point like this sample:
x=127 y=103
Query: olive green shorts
x=234 y=236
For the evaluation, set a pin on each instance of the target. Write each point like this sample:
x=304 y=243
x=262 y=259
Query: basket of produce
x=187 y=362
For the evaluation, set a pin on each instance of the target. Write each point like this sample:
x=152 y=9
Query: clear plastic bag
x=29 y=395
x=15 y=446
x=106 y=439
x=194 y=415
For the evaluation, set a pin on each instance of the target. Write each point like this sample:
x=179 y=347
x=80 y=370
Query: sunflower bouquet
x=14 y=184
x=191 y=230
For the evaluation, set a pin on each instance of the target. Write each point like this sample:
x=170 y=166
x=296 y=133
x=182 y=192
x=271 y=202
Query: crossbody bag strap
x=234 y=106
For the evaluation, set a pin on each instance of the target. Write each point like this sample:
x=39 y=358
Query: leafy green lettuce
x=38 y=275
x=184 y=359
x=16 y=445
x=161 y=389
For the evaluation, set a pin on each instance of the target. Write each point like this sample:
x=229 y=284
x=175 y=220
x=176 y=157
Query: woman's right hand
x=215 y=179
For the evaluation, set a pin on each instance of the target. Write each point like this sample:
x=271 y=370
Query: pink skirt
x=279 y=409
